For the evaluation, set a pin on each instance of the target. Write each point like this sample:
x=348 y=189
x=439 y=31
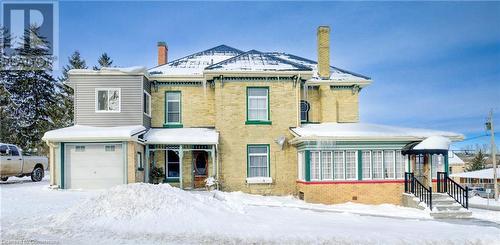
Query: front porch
x=182 y=157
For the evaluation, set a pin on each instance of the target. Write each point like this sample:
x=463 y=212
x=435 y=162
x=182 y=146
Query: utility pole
x=490 y=126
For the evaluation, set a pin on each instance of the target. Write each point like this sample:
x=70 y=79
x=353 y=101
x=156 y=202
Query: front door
x=200 y=168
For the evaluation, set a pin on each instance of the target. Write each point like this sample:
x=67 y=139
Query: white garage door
x=93 y=166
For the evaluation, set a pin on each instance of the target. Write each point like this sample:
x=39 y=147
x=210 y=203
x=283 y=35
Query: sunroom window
x=108 y=100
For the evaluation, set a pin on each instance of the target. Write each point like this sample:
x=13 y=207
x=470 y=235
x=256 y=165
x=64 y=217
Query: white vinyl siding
x=350 y=165
x=338 y=165
x=173 y=107
x=257 y=103
x=315 y=165
x=258 y=161
x=146 y=100
x=107 y=99
x=367 y=164
x=326 y=165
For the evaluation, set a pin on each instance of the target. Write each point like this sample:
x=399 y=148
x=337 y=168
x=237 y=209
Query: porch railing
x=447 y=185
x=413 y=186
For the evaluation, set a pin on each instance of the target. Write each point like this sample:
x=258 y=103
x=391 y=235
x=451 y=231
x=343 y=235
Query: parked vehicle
x=482 y=193
x=13 y=163
x=474 y=190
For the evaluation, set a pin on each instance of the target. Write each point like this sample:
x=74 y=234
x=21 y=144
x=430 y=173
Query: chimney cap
x=162 y=43
x=323 y=27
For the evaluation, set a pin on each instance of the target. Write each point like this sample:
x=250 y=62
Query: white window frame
x=370 y=165
x=393 y=152
x=180 y=107
x=96 y=100
x=267 y=155
x=138 y=157
x=322 y=163
x=402 y=166
x=373 y=164
x=149 y=103
x=249 y=97
x=355 y=164
x=300 y=165
x=319 y=165
x=343 y=165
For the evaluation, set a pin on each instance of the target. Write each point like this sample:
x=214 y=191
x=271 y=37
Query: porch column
x=446 y=164
x=430 y=170
x=212 y=155
x=146 y=167
x=181 y=159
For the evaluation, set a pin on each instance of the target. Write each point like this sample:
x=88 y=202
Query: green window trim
x=308 y=165
x=62 y=165
x=259 y=122
x=167 y=124
x=360 y=165
x=268 y=146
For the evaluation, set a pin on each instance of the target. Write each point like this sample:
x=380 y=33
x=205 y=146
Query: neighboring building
x=260 y=122
x=456 y=164
x=481 y=178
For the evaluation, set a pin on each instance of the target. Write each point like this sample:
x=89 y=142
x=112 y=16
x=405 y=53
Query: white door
x=93 y=166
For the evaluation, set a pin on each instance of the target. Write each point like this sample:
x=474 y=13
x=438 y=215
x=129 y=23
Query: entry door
x=94 y=166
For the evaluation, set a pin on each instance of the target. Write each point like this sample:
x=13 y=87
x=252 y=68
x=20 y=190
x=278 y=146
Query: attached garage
x=88 y=157
x=94 y=165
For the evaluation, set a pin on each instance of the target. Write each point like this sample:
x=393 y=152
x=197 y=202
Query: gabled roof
x=195 y=63
x=336 y=73
x=254 y=60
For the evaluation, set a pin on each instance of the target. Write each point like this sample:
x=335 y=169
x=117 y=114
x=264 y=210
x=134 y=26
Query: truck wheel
x=5 y=178
x=37 y=174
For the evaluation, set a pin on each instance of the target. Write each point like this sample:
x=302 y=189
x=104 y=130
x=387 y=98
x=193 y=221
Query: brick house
x=268 y=123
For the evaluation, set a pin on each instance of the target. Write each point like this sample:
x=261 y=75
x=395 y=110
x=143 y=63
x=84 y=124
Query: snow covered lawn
x=158 y=214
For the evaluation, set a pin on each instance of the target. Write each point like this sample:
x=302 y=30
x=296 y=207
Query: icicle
x=204 y=88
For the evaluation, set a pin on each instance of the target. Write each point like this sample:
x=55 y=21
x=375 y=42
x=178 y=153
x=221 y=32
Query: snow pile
x=478 y=174
x=132 y=69
x=147 y=207
x=81 y=132
x=434 y=143
x=182 y=136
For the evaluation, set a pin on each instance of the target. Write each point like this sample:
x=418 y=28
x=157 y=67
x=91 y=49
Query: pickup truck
x=13 y=163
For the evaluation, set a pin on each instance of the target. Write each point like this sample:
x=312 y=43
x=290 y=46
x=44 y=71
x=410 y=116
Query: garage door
x=93 y=166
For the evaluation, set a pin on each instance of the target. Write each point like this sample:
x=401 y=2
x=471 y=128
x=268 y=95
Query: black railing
x=446 y=185
x=413 y=186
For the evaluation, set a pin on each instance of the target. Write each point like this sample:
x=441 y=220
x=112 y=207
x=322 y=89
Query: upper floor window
x=304 y=111
x=172 y=107
x=108 y=99
x=257 y=104
x=146 y=98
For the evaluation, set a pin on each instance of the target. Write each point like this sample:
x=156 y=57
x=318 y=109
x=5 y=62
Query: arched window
x=304 y=111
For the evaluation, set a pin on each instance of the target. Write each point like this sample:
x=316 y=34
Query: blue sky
x=434 y=65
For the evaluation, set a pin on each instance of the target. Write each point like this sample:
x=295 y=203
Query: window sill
x=166 y=125
x=259 y=180
x=171 y=180
x=258 y=123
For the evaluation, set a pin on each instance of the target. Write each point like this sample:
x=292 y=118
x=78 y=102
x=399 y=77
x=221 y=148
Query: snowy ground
x=158 y=214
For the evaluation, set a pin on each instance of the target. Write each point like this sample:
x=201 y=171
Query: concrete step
x=447 y=207
x=451 y=214
x=450 y=201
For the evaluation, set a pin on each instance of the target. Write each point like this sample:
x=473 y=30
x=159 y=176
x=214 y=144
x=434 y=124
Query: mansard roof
x=194 y=64
x=254 y=60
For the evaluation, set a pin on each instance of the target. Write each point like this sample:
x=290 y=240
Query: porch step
x=451 y=214
x=453 y=207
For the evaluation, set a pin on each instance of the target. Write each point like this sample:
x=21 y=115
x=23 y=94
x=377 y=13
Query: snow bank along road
x=159 y=214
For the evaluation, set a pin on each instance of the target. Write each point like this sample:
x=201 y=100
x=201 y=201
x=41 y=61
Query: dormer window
x=107 y=99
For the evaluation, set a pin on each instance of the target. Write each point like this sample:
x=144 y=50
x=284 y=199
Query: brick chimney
x=162 y=53
x=324 y=51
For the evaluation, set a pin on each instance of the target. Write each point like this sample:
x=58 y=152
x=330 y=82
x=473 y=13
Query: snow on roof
x=133 y=70
x=335 y=73
x=478 y=174
x=205 y=136
x=356 y=131
x=254 y=60
x=90 y=133
x=453 y=159
x=434 y=143
x=194 y=64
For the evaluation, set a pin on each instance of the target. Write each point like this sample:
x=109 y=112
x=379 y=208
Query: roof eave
x=349 y=82
x=300 y=139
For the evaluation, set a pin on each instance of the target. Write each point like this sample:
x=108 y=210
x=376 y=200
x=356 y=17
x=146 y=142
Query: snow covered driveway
x=159 y=214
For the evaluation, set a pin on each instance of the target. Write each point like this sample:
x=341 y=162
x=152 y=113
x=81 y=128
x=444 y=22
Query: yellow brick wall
x=133 y=174
x=235 y=136
x=197 y=106
x=314 y=99
x=338 y=105
x=367 y=193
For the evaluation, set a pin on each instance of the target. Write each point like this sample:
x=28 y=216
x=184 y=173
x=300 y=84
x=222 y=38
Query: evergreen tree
x=103 y=61
x=64 y=110
x=31 y=90
x=477 y=163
